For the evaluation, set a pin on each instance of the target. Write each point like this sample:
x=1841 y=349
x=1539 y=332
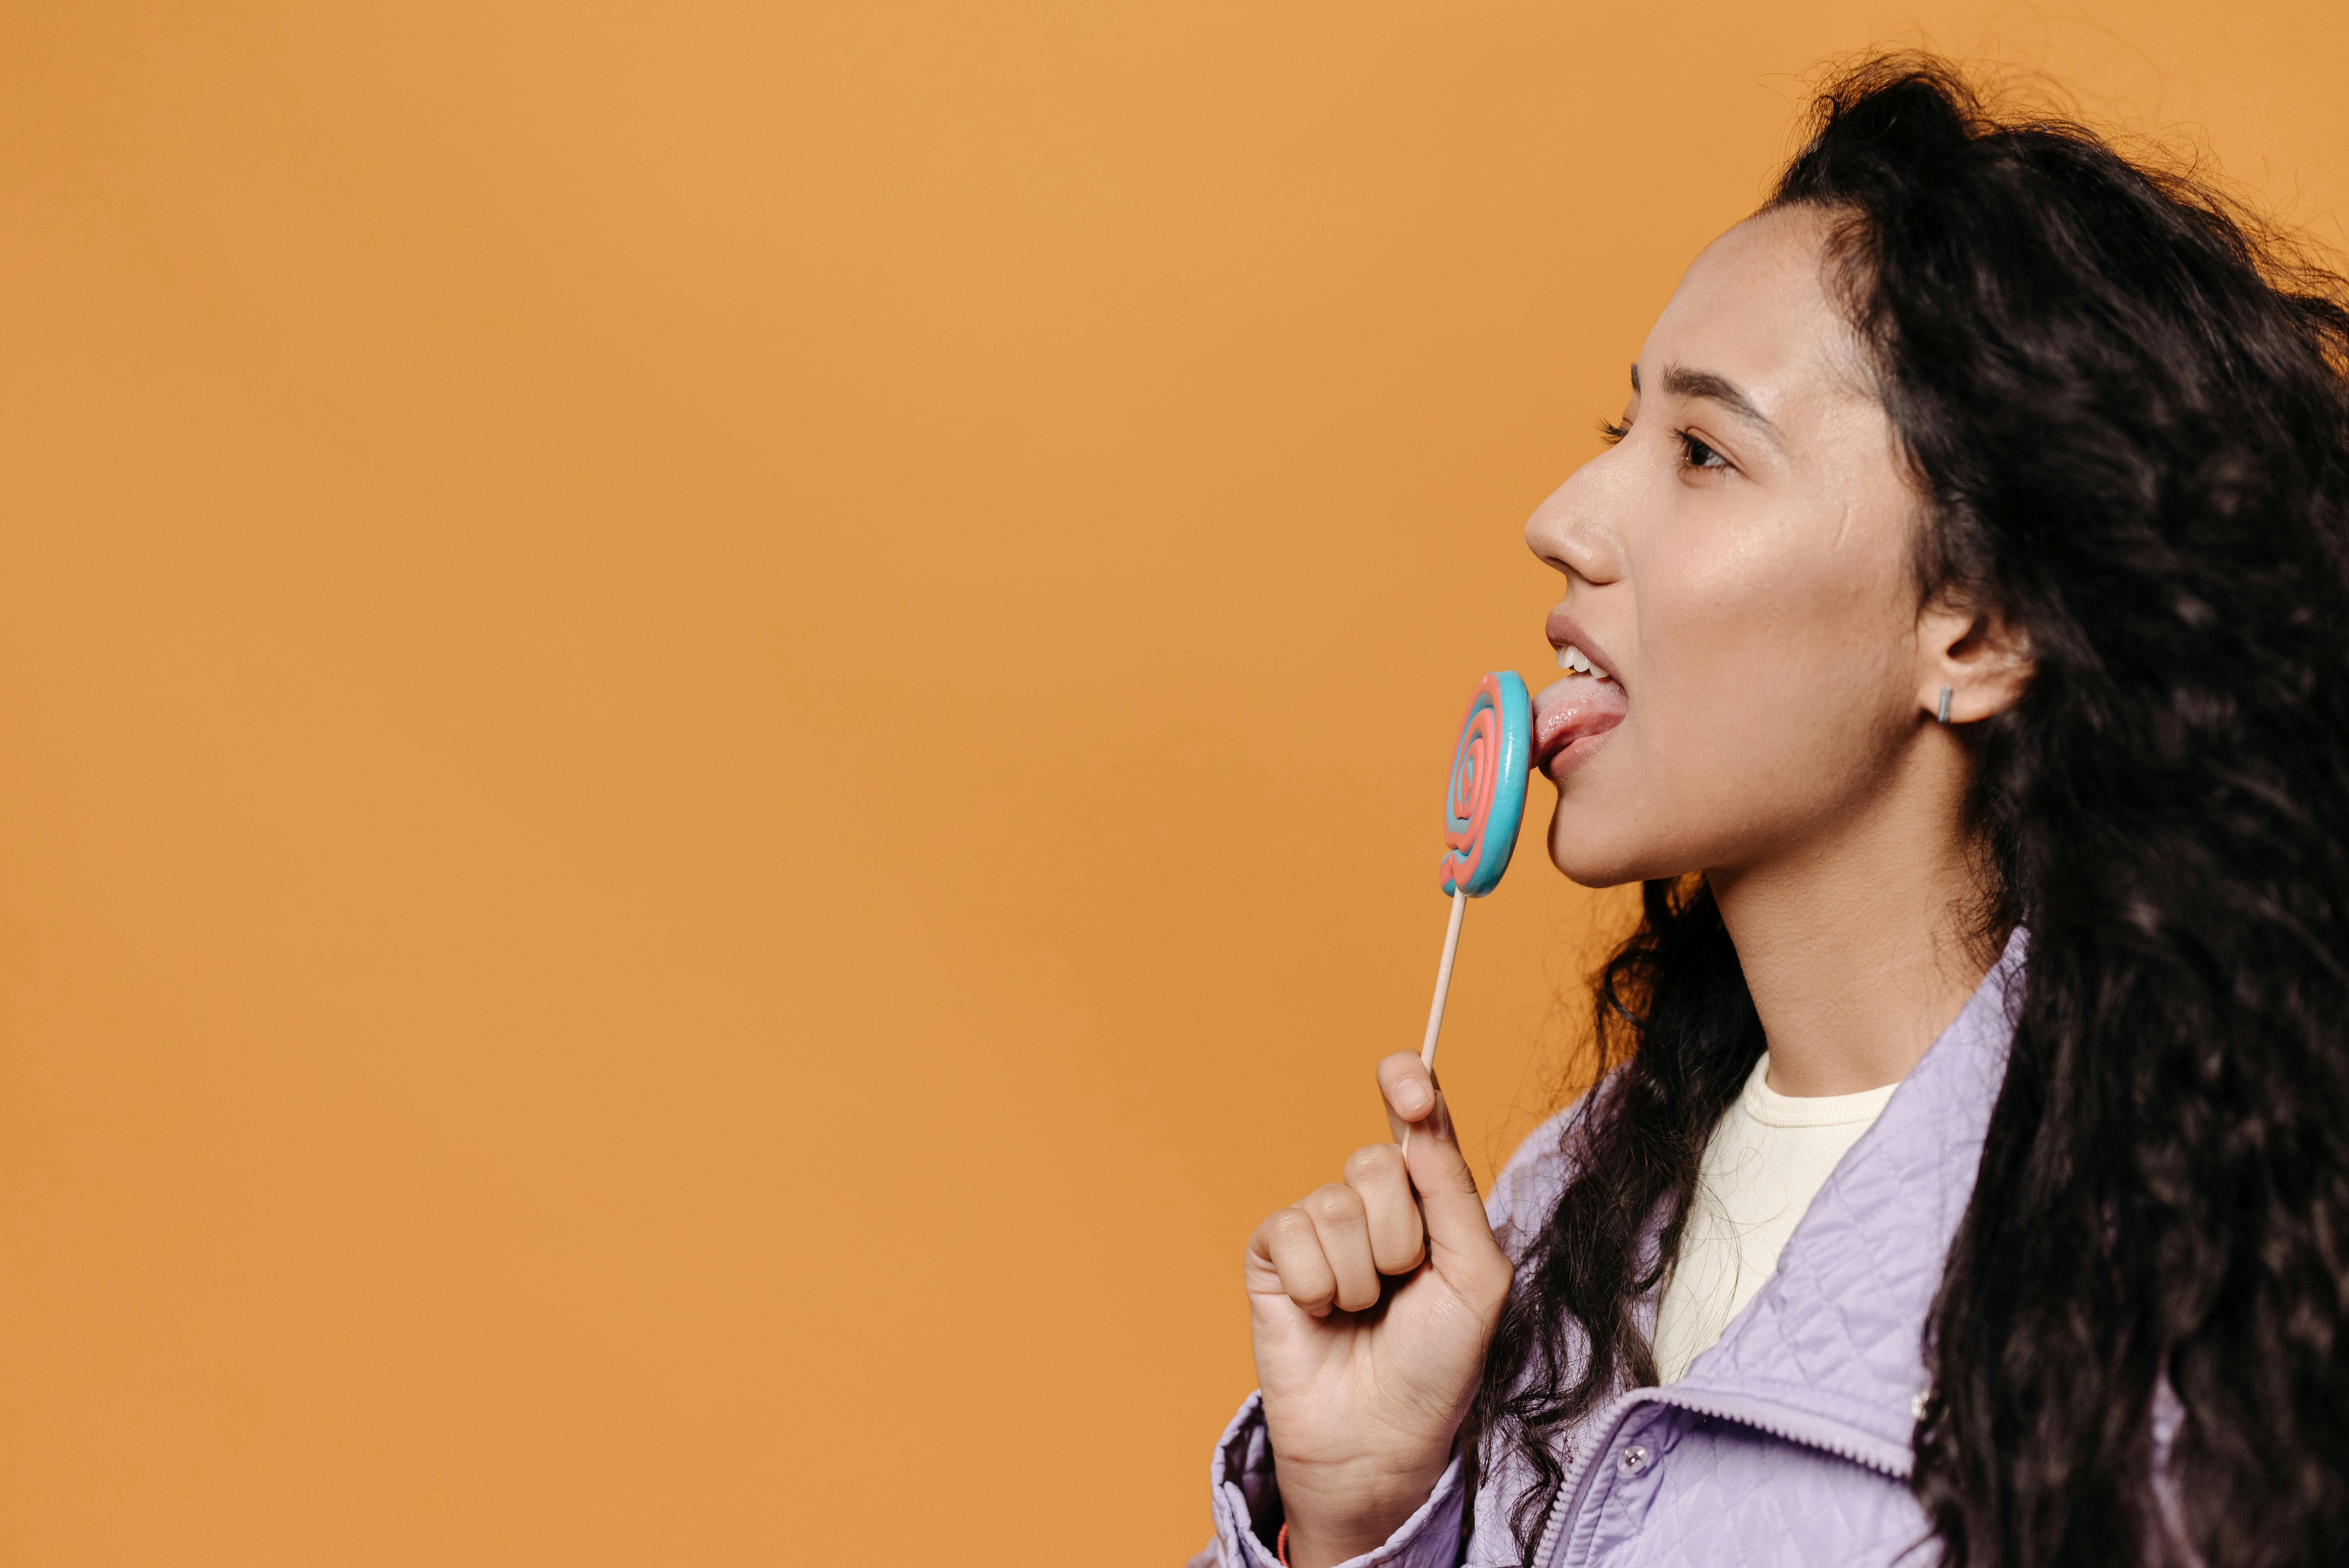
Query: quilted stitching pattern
x=1837 y=1330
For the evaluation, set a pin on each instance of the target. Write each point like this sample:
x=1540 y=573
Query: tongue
x=1569 y=710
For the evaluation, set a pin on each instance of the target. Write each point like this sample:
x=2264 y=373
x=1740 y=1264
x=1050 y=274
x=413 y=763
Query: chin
x=1589 y=854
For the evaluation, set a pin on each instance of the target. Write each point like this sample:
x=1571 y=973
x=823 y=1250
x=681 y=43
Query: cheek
x=1806 y=641
x=1773 y=659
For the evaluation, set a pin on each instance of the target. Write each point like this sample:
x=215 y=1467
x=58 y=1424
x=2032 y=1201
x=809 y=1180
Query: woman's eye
x=1699 y=455
x=1610 y=432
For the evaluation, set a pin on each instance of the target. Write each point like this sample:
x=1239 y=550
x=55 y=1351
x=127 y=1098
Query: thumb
x=1458 y=1235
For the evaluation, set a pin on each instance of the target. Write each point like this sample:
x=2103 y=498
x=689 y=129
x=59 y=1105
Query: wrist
x=1338 y=1512
x=1308 y=1550
x=1333 y=1542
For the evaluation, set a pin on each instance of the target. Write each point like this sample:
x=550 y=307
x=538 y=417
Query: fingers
x=1285 y=1255
x=1343 y=1226
x=1329 y=1248
x=1395 y=1210
x=1391 y=1210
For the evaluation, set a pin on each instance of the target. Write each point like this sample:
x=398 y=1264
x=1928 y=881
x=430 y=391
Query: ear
x=1984 y=660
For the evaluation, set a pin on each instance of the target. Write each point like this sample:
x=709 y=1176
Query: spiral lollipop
x=1487 y=796
x=1482 y=808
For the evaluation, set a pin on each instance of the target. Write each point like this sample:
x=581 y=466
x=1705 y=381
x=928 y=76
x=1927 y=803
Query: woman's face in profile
x=1739 y=564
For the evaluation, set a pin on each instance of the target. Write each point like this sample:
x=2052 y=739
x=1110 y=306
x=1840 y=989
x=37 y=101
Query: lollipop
x=1487 y=796
x=1481 y=811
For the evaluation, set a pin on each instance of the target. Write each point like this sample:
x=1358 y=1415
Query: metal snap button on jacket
x=1634 y=1459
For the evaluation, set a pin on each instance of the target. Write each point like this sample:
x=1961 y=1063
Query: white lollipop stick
x=1443 y=989
x=1443 y=980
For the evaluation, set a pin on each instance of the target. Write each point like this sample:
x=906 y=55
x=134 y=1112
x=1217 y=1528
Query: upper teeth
x=1570 y=658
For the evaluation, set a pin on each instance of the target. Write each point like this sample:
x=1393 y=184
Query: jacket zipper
x=1808 y=1439
x=1571 y=1491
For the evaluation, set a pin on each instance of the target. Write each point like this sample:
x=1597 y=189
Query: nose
x=1574 y=529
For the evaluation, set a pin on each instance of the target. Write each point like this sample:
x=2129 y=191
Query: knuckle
x=1335 y=1203
x=1373 y=1162
x=1286 y=1227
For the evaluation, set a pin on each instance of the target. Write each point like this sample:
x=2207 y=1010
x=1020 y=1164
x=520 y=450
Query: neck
x=1858 y=944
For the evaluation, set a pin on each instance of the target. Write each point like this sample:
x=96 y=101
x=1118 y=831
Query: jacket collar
x=1831 y=1350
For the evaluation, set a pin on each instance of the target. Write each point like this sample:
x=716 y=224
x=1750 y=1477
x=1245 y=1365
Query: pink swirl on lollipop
x=1468 y=802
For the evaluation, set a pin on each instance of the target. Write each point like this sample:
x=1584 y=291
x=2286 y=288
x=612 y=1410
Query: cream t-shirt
x=1767 y=1162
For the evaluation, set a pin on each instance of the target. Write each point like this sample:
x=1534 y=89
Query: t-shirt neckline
x=1771 y=1108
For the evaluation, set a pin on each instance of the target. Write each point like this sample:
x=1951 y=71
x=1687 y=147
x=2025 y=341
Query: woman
x=1965 y=598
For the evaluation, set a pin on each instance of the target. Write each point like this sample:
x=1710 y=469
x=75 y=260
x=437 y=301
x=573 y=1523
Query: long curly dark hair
x=2126 y=403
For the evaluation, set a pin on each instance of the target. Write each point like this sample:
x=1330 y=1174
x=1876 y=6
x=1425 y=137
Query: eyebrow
x=1680 y=381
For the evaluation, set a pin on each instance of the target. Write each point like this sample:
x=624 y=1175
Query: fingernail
x=1415 y=1098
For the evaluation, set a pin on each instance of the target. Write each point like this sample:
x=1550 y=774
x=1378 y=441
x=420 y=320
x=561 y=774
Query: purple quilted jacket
x=1788 y=1441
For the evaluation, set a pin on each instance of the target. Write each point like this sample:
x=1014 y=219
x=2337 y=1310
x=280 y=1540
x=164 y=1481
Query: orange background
x=720 y=724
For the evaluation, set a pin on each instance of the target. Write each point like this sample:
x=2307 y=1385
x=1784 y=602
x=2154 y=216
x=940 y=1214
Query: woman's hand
x=1372 y=1304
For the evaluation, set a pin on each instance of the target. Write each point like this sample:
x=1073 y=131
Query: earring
x=1942 y=714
